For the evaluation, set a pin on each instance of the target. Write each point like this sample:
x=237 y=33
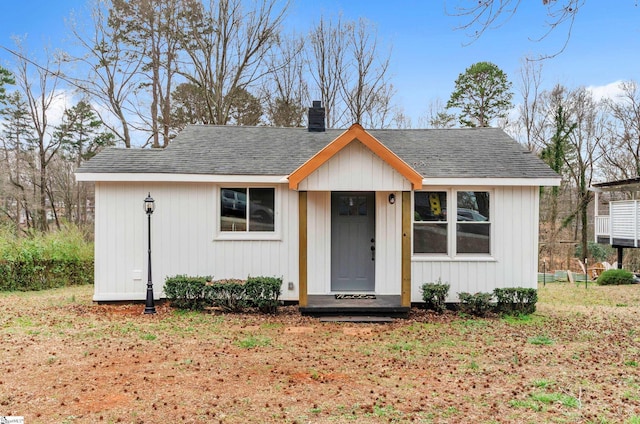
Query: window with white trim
x=247 y=209
x=430 y=227
x=473 y=226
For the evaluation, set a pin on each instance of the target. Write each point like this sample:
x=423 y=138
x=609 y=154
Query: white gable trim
x=186 y=178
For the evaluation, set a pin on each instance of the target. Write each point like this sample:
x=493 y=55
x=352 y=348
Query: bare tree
x=326 y=64
x=113 y=73
x=479 y=16
x=227 y=46
x=622 y=153
x=364 y=82
x=39 y=85
x=151 y=30
x=350 y=73
x=584 y=151
x=285 y=91
x=81 y=135
x=528 y=127
x=437 y=115
x=401 y=120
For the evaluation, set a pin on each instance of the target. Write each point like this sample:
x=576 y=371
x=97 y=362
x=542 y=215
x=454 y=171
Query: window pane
x=473 y=206
x=261 y=208
x=429 y=238
x=473 y=238
x=351 y=205
x=430 y=206
x=362 y=206
x=233 y=209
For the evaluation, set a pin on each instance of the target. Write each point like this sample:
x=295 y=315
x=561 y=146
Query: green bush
x=599 y=252
x=516 y=300
x=615 y=277
x=228 y=295
x=187 y=292
x=478 y=304
x=264 y=292
x=41 y=261
x=434 y=295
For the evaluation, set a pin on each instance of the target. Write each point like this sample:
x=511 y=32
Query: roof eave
x=186 y=178
x=493 y=181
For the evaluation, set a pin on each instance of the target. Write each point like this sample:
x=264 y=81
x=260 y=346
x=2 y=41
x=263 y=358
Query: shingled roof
x=234 y=150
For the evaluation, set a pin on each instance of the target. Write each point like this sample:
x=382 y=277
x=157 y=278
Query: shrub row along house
x=340 y=215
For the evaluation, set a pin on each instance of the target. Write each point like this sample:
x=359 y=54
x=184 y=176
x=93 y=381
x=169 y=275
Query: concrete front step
x=356 y=319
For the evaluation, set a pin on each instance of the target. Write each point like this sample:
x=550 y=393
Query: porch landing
x=328 y=305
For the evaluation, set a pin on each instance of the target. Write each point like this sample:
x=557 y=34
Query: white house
x=620 y=227
x=366 y=214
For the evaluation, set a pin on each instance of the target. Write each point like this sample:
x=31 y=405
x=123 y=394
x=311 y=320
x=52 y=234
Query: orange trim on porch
x=355 y=132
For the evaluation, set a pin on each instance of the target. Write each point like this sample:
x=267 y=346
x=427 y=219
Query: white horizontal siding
x=624 y=219
x=183 y=239
x=514 y=248
x=355 y=168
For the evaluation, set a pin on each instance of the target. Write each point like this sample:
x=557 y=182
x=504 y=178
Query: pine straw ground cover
x=64 y=359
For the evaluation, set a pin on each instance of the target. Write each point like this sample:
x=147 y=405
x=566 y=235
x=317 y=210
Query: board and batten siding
x=184 y=239
x=514 y=248
x=388 y=243
x=355 y=168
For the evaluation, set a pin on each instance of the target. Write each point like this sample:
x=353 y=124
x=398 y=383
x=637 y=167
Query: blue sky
x=427 y=53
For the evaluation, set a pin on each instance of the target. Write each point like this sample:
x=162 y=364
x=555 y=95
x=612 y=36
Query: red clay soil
x=64 y=359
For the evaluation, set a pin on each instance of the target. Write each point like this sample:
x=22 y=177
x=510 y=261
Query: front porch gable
x=355 y=153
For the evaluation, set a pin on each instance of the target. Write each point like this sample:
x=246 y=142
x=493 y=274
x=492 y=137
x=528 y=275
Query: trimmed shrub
x=263 y=293
x=516 y=300
x=434 y=295
x=228 y=295
x=615 y=277
x=187 y=292
x=477 y=304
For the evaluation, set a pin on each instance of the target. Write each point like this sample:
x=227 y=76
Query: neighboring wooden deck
x=327 y=305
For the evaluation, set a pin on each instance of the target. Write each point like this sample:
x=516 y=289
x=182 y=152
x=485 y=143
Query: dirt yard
x=64 y=359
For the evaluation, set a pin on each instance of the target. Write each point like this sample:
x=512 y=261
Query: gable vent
x=316 y=117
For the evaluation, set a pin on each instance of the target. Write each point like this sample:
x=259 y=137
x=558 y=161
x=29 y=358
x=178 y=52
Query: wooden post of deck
x=405 y=297
x=302 y=248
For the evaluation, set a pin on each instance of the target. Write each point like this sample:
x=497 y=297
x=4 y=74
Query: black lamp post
x=149 y=306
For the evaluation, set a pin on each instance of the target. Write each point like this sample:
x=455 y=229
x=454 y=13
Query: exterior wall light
x=392 y=198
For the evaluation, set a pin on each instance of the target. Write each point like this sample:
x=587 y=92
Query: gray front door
x=352 y=241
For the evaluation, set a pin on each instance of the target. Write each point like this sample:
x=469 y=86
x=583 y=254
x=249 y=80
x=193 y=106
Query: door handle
x=373 y=253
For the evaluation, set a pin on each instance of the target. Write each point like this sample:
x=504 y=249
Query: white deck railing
x=602 y=226
x=623 y=221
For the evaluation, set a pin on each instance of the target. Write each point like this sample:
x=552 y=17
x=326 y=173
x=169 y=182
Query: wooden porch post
x=405 y=298
x=302 y=248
